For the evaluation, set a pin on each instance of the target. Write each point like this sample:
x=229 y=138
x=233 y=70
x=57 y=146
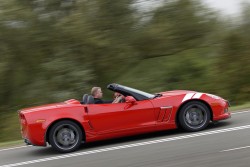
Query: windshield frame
x=148 y=95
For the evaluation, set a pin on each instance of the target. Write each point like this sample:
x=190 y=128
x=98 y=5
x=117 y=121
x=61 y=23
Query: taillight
x=225 y=110
x=22 y=118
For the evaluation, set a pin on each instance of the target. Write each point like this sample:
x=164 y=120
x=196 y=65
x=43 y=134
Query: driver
x=96 y=92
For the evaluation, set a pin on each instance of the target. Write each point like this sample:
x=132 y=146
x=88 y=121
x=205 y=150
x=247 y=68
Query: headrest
x=84 y=99
x=90 y=100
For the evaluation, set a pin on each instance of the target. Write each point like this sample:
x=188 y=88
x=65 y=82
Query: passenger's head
x=96 y=92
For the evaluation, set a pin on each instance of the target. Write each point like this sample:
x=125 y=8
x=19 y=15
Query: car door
x=121 y=117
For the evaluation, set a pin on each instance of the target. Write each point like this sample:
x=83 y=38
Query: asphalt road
x=225 y=144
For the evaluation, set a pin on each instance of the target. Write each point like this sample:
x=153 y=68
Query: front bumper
x=220 y=108
x=223 y=116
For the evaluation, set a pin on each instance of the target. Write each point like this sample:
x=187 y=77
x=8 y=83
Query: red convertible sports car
x=66 y=125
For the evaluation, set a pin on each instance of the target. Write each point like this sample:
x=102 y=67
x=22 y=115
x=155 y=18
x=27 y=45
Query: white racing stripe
x=128 y=146
x=233 y=149
x=188 y=96
x=197 y=95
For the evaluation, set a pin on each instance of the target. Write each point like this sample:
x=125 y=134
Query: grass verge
x=11 y=143
x=240 y=107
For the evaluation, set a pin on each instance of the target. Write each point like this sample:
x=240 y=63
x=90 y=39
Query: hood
x=176 y=92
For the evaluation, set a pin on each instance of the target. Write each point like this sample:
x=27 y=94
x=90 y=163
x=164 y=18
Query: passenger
x=118 y=98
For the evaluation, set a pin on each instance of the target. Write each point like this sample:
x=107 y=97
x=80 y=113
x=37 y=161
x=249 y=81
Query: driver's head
x=96 y=92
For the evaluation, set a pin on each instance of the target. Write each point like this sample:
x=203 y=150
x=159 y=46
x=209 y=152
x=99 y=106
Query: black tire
x=65 y=136
x=194 y=116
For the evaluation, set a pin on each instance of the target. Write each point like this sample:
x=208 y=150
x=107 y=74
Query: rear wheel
x=194 y=116
x=65 y=136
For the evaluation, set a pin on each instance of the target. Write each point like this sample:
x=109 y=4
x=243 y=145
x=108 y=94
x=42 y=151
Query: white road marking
x=128 y=146
x=12 y=148
x=241 y=112
x=234 y=113
x=239 y=148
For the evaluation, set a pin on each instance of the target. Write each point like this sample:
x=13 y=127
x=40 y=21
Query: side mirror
x=130 y=99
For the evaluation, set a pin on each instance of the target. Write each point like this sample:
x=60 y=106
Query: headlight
x=213 y=96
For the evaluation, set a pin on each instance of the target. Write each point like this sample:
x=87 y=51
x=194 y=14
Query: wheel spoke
x=194 y=116
x=66 y=137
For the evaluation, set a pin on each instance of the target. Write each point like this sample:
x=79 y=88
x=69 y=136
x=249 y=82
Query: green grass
x=240 y=107
x=11 y=143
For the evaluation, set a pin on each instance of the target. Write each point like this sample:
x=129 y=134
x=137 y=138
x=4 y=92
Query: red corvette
x=68 y=124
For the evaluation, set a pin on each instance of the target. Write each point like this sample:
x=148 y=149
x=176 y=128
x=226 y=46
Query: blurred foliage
x=52 y=51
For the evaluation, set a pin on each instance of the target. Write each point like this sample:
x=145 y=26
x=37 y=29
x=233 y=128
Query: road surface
x=225 y=144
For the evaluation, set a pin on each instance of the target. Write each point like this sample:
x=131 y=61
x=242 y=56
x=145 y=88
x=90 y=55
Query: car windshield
x=148 y=95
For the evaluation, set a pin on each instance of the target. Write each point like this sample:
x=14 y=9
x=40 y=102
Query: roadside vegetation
x=51 y=51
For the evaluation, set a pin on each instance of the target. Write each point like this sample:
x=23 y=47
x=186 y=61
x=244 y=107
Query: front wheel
x=65 y=136
x=194 y=116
